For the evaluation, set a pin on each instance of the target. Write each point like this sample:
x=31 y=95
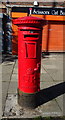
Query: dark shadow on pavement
x=50 y=93
x=9 y=58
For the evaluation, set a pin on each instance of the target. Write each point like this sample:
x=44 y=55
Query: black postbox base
x=26 y=100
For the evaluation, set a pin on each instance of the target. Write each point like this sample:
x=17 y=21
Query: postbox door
x=31 y=48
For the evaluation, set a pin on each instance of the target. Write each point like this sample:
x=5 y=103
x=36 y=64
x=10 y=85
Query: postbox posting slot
x=35 y=36
x=30 y=31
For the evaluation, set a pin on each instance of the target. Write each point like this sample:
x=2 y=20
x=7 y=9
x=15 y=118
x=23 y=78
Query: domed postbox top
x=28 y=20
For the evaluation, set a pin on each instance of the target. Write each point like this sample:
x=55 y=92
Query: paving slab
x=7 y=77
x=64 y=104
x=5 y=86
x=47 y=84
x=49 y=66
x=50 y=108
x=45 y=77
x=54 y=67
x=7 y=69
x=60 y=101
x=55 y=74
x=42 y=70
x=14 y=77
x=0 y=95
x=15 y=70
x=13 y=87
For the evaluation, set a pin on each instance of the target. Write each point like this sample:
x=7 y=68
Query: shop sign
x=40 y=10
x=46 y=11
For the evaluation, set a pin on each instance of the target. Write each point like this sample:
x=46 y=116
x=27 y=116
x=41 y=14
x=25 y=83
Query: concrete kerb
x=36 y=118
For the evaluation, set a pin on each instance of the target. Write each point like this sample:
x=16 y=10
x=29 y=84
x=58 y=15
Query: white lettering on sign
x=62 y=13
x=54 y=12
x=48 y=12
x=40 y=12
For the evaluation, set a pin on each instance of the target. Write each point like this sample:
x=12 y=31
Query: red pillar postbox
x=29 y=58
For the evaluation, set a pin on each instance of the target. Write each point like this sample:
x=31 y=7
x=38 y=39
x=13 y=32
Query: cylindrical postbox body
x=29 y=54
x=29 y=58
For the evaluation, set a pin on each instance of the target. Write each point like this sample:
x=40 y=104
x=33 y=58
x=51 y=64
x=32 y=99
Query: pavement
x=52 y=88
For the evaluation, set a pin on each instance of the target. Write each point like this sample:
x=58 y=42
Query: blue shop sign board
x=40 y=10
